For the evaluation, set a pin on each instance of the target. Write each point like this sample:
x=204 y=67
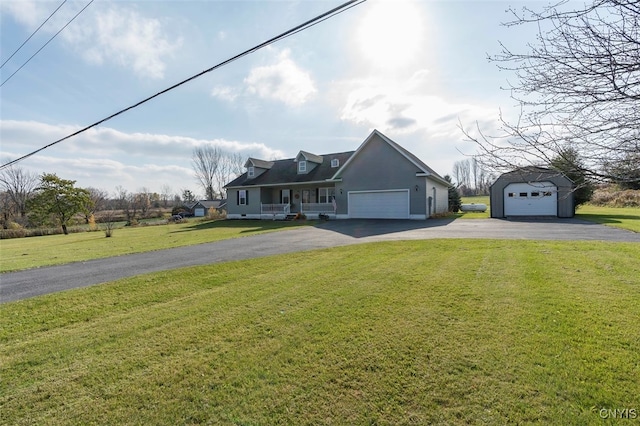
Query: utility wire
x=49 y=41
x=308 y=24
x=32 y=34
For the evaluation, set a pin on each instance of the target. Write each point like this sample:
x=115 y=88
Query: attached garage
x=391 y=204
x=532 y=191
x=531 y=199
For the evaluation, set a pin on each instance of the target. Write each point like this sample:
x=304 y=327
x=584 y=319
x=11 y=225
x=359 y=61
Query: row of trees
x=31 y=200
x=471 y=177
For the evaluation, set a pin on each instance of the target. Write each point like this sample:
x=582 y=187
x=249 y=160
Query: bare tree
x=165 y=195
x=472 y=177
x=143 y=200
x=18 y=185
x=99 y=200
x=231 y=165
x=578 y=86
x=205 y=161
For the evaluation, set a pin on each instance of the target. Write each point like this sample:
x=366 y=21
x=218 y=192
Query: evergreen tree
x=454 y=196
x=568 y=162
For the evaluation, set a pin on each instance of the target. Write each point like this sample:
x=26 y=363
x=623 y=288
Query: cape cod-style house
x=379 y=180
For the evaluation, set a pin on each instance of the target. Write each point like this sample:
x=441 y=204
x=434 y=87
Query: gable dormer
x=256 y=167
x=306 y=162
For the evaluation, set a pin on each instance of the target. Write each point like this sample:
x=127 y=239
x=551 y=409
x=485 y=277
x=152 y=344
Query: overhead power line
x=308 y=24
x=49 y=41
x=32 y=34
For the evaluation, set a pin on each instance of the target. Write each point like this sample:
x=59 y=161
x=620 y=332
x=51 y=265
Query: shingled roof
x=286 y=172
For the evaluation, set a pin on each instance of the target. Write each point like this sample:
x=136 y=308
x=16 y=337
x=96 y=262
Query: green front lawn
x=450 y=332
x=23 y=253
x=620 y=217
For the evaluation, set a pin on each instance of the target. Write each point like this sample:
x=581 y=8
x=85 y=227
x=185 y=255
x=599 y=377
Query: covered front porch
x=283 y=202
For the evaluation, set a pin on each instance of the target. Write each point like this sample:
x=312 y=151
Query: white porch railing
x=275 y=208
x=317 y=208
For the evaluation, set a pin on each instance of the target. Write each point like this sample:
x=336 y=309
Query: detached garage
x=532 y=191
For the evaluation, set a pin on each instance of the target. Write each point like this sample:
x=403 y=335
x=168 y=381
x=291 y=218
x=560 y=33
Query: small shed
x=200 y=208
x=532 y=191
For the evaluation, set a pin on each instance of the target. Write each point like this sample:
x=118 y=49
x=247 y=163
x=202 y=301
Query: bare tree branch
x=578 y=86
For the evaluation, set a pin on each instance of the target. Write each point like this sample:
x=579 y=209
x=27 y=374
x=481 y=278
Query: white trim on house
x=302 y=166
x=286 y=184
x=245 y=216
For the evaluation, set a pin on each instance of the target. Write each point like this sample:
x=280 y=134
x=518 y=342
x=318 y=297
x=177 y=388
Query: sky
x=414 y=70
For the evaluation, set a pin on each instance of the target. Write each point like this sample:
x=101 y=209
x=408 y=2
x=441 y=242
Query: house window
x=243 y=197
x=285 y=196
x=512 y=194
x=335 y=163
x=523 y=194
x=251 y=172
x=308 y=196
x=326 y=195
x=535 y=194
x=302 y=166
x=547 y=194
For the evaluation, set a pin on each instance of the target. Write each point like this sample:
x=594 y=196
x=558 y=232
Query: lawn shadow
x=605 y=218
x=244 y=225
x=362 y=228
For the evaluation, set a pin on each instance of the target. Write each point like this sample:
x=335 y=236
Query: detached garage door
x=379 y=204
x=531 y=199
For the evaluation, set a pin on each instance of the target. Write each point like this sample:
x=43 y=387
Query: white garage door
x=379 y=204
x=199 y=212
x=531 y=199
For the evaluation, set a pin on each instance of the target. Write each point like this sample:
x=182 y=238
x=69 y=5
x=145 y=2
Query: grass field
x=456 y=332
x=23 y=253
x=477 y=199
x=620 y=217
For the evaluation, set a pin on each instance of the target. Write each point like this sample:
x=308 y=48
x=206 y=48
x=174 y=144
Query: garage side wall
x=380 y=167
x=565 y=191
x=442 y=196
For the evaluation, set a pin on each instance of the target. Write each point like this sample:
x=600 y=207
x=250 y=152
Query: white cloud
x=226 y=93
x=406 y=106
x=105 y=33
x=105 y=157
x=285 y=81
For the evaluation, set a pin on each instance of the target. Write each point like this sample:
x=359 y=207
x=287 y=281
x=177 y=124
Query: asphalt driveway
x=34 y=282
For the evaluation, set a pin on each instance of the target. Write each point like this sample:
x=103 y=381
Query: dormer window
x=251 y=171
x=335 y=163
x=302 y=166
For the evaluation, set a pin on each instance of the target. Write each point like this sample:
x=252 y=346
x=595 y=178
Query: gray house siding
x=252 y=208
x=566 y=206
x=381 y=167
